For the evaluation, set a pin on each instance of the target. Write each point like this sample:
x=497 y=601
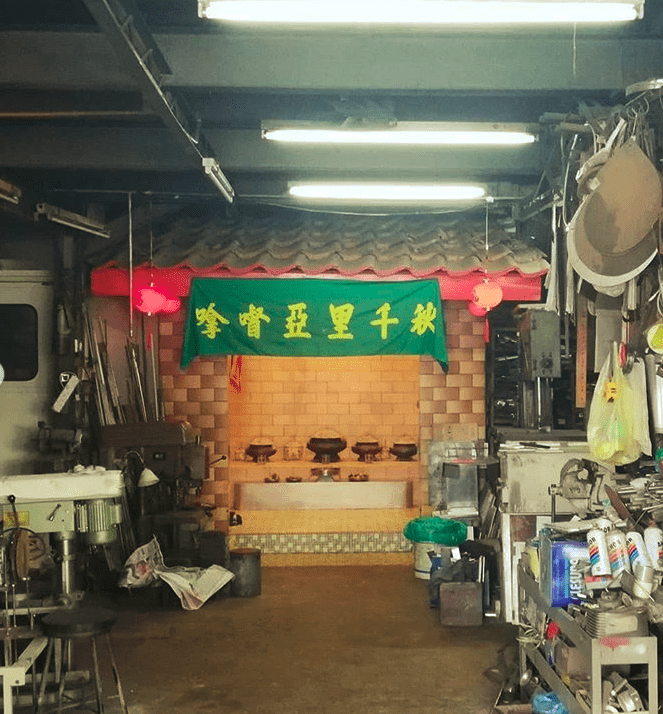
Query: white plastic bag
x=618 y=425
x=637 y=378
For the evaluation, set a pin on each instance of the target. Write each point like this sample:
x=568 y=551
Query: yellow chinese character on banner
x=252 y=320
x=209 y=317
x=297 y=321
x=341 y=317
x=423 y=318
x=384 y=320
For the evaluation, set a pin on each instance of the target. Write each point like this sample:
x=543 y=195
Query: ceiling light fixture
x=421 y=12
x=71 y=220
x=394 y=193
x=404 y=132
x=218 y=178
x=9 y=192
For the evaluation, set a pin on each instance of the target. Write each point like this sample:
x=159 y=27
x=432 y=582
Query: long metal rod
x=116 y=675
x=131 y=268
x=97 y=676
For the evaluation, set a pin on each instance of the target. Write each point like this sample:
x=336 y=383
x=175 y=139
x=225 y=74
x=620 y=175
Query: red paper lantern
x=152 y=300
x=476 y=309
x=487 y=294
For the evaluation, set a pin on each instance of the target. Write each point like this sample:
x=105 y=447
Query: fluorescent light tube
x=400 y=136
x=72 y=220
x=421 y=12
x=217 y=177
x=9 y=192
x=387 y=192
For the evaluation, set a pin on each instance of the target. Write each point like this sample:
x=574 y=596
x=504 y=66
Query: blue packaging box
x=563 y=565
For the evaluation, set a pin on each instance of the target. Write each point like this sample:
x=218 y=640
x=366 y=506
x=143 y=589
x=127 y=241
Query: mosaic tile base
x=325 y=542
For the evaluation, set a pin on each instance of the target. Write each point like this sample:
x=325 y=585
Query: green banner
x=314 y=318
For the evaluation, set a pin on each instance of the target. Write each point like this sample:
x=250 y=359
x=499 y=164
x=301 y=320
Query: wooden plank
x=581 y=352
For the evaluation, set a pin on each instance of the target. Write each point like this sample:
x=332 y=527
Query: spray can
x=597 y=545
x=637 y=553
x=654 y=545
x=618 y=553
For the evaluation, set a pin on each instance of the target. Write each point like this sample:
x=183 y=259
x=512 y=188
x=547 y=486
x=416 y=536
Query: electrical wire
x=529 y=635
x=36 y=541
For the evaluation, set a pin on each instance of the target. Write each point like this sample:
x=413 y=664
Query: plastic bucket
x=422 y=561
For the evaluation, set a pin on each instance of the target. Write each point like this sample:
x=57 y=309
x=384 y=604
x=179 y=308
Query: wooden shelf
x=243 y=472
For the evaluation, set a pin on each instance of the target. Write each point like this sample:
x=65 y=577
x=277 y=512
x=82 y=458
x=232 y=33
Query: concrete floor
x=336 y=640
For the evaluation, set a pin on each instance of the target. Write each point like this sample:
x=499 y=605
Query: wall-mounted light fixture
x=9 y=192
x=403 y=132
x=391 y=192
x=218 y=178
x=422 y=12
x=71 y=220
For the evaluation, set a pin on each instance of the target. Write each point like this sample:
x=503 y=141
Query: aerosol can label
x=618 y=553
x=637 y=553
x=654 y=546
x=599 y=560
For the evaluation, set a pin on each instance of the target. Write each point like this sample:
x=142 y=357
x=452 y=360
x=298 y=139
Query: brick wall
x=199 y=395
x=288 y=399
x=452 y=405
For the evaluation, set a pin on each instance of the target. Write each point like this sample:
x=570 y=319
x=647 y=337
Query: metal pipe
x=66 y=541
x=538 y=399
x=131 y=269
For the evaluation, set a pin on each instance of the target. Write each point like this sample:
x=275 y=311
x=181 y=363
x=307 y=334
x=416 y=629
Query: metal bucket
x=245 y=564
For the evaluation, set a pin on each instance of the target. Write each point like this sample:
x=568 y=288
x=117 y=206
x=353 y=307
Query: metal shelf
x=599 y=652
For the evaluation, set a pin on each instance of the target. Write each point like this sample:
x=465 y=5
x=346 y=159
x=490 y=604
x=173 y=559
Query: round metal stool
x=62 y=628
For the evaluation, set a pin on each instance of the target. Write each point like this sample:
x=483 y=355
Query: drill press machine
x=62 y=505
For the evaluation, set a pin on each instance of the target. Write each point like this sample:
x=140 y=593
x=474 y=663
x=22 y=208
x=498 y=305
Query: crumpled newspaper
x=194 y=586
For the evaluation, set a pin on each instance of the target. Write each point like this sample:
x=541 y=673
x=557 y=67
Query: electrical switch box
x=540 y=343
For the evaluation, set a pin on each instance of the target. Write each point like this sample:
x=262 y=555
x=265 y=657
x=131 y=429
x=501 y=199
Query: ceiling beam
x=337 y=62
x=136 y=49
x=135 y=149
x=72 y=104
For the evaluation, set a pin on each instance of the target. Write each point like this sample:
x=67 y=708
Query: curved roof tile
x=314 y=243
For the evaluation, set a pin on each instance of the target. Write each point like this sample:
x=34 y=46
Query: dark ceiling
x=101 y=99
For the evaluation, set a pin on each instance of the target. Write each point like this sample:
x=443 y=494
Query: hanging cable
x=151 y=241
x=486 y=246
